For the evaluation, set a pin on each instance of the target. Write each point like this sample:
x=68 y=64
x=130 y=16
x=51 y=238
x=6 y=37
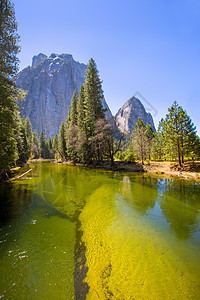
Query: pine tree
x=93 y=97
x=73 y=112
x=71 y=137
x=50 y=144
x=22 y=142
x=80 y=108
x=42 y=145
x=191 y=139
x=193 y=146
x=35 y=145
x=150 y=137
x=177 y=132
x=29 y=134
x=47 y=150
x=9 y=47
x=166 y=145
x=140 y=140
x=8 y=92
x=50 y=147
x=23 y=152
x=68 y=119
x=55 y=143
x=62 y=150
x=157 y=146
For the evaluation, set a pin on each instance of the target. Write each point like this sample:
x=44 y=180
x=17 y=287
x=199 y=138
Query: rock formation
x=128 y=115
x=50 y=83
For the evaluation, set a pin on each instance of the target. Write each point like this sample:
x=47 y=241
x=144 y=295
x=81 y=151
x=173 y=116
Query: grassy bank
x=171 y=169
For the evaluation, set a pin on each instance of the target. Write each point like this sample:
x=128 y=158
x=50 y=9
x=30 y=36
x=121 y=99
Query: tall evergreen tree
x=71 y=138
x=80 y=108
x=50 y=147
x=157 y=146
x=47 y=149
x=68 y=119
x=42 y=145
x=193 y=146
x=29 y=134
x=9 y=47
x=140 y=140
x=93 y=97
x=177 y=129
x=50 y=143
x=73 y=112
x=8 y=92
x=35 y=146
x=62 y=150
x=22 y=142
x=191 y=139
x=23 y=147
x=150 y=138
x=55 y=143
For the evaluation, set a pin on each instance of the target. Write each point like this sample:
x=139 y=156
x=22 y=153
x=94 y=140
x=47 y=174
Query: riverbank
x=18 y=172
x=163 y=169
x=106 y=165
x=171 y=169
x=154 y=168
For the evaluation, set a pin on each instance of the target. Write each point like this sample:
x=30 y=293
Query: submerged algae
x=130 y=258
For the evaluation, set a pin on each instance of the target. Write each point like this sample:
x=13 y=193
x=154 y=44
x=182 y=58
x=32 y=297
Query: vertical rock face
x=37 y=59
x=128 y=115
x=50 y=83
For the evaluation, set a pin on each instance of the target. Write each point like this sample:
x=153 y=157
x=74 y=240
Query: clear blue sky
x=139 y=45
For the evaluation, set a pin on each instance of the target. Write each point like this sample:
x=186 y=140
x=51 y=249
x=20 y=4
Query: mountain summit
x=50 y=83
x=129 y=113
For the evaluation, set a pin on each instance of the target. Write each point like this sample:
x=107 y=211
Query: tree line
x=175 y=139
x=99 y=139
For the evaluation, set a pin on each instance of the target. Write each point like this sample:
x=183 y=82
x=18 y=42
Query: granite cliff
x=129 y=113
x=50 y=83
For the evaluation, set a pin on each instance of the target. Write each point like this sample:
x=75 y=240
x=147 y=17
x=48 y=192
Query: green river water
x=75 y=233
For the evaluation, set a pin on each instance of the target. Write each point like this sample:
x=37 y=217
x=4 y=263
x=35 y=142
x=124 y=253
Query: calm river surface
x=74 y=233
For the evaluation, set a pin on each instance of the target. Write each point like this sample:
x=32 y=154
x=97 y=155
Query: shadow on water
x=14 y=200
x=81 y=288
x=36 y=246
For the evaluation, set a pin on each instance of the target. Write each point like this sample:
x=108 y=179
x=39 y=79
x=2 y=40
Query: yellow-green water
x=73 y=233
